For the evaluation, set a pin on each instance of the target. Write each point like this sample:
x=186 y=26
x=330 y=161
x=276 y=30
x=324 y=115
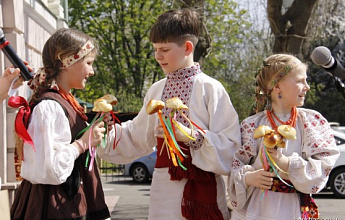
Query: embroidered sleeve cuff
x=196 y=144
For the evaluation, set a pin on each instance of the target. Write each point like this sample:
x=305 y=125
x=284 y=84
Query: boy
x=175 y=193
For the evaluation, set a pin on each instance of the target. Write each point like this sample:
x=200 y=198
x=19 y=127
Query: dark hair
x=176 y=26
x=63 y=43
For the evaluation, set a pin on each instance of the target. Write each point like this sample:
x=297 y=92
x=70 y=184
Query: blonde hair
x=274 y=68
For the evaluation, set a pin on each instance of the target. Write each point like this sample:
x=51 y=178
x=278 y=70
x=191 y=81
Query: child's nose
x=158 y=55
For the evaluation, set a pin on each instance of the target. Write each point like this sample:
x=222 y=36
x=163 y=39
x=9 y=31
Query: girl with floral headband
x=304 y=163
x=55 y=183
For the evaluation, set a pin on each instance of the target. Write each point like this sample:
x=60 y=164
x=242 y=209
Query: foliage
x=125 y=63
x=329 y=32
x=125 y=66
x=227 y=26
x=326 y=28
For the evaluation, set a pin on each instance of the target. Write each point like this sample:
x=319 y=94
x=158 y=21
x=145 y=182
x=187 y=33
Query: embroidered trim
x=179 y=84
x=279 y=75
x=85 y=49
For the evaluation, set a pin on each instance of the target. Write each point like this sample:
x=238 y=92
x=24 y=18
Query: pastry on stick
x=272 y=139
x=175 y=103
x=154 y=106
x=261 y=131
x=287 y=131
x=105 y=103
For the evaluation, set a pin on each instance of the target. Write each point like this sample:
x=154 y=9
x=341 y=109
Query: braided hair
x=274 y=68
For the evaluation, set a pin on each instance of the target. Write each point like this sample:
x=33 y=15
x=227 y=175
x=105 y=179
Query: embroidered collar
x=185 y=72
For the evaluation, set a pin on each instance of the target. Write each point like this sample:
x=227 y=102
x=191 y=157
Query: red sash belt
x=279 y=186
x=163 y=159
x=200 y=192
x=309 y=209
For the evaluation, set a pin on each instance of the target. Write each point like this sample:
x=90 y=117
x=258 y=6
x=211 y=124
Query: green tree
x=125 y=65
x=328 y=31
x=298 y=27
x=289 y=22
x=220 y=48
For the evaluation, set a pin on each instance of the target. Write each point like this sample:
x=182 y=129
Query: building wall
x=27 y=24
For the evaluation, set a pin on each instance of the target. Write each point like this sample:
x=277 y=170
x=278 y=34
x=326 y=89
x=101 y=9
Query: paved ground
x=130 y=201
x=126 y=200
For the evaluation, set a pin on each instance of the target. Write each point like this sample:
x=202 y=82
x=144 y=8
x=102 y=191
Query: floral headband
x=40 y=74
x=85 y=49
x=278 y=76
x=262 y=98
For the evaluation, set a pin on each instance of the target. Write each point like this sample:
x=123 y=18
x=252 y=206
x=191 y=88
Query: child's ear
x=277 y=88
x=189 y=47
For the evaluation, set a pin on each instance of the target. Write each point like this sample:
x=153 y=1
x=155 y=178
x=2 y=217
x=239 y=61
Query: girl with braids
x=305 y=162
x=55 y=183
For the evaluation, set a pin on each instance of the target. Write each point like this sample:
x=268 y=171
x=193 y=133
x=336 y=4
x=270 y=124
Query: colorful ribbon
x=92 y=150
x=269 y=164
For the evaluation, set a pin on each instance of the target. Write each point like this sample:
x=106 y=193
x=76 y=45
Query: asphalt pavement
x=130 y=201
x=126 y=200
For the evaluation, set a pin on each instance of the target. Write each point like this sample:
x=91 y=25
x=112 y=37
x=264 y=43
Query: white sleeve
x=309 y=172
x=135 y=138
x=239 y=193
x=53 y=160
x=216 y=114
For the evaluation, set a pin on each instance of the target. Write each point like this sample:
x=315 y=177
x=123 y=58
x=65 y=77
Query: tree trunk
x=290 y=28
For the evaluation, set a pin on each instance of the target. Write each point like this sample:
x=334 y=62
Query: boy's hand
x=180 y=136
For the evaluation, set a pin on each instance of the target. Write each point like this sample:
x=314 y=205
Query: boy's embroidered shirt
x=179 y=84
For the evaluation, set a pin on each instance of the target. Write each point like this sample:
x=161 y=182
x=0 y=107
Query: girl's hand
x=280 y=159
x=260 y=179
x=97 y=135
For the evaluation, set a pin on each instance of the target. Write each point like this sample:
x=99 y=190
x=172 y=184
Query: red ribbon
x=22 y=118
x=118 y=120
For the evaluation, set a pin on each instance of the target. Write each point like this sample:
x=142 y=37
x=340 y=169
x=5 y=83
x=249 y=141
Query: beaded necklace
x=73 y=101
x=292 y=120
